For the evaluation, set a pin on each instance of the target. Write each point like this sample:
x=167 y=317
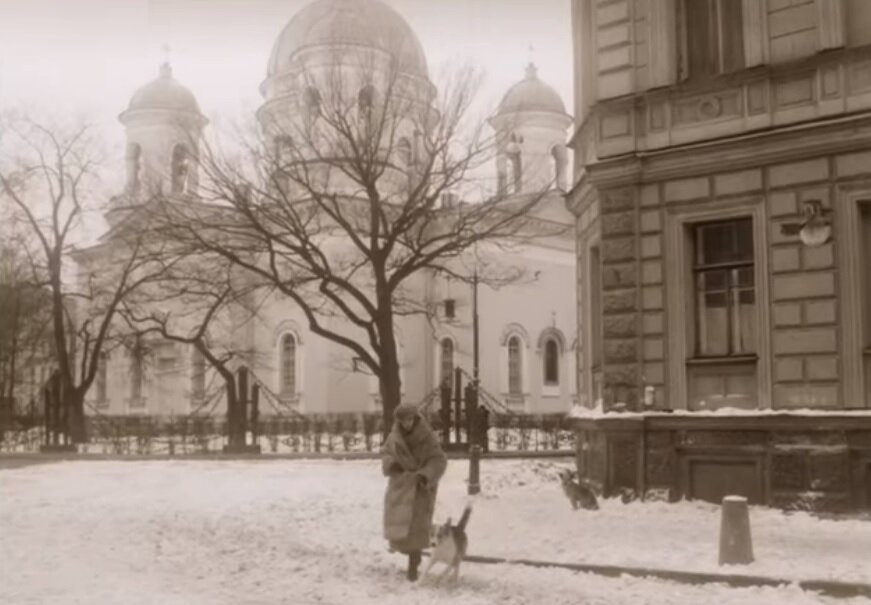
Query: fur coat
x=409 y=501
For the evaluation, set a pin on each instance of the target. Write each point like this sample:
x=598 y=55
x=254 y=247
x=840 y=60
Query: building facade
x=526 y=329
x=723 y=205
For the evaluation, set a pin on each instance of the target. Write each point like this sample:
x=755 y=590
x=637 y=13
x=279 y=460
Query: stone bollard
x=736 y=545
x=474 y=470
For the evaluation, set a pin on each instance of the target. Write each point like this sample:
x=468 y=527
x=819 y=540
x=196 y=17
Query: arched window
x=287 y=366
x=137 y=370
x=366 y=101
x=403 y=151
x=551 y=362
x=447 y=362
x=102 y=378
x=513 y=150
x=311 y=100
x=134 y=167
x=198 y=375
x=515 y=366
x=180 y=168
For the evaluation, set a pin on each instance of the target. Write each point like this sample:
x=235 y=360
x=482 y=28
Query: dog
x=449 y=544
x=578 y=494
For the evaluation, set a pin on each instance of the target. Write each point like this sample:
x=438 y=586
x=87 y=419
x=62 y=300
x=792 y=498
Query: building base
x=58 y=449
x=242 y=449
x=820 y=462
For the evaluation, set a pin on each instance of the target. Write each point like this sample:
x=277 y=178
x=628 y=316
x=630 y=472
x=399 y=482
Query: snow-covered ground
x=299 y=532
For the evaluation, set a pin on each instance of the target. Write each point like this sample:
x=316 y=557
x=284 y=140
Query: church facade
x=525 y=329
x=723 y=205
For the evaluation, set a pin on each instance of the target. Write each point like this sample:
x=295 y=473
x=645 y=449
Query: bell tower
x=164 y=127
x=531 y=125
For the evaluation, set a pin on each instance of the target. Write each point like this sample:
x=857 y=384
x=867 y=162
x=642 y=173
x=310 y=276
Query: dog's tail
x=464 y=519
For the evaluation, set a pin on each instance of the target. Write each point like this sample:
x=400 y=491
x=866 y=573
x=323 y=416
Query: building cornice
x=777 y=145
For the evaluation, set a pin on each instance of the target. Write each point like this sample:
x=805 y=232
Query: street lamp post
x=475 y=368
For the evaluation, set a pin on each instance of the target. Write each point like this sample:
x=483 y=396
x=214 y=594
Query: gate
x=243 y=417
x=463 y=422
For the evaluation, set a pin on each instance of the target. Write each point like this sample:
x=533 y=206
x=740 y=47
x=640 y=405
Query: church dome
x=164 y=93
x=531 y=94
x=368 y=23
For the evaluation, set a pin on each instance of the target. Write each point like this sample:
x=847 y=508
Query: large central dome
x=369 y=23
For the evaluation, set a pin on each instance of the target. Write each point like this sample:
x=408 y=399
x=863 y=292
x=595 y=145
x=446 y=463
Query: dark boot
x=413 y=565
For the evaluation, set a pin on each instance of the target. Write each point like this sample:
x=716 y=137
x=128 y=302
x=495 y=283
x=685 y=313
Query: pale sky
x=71 y=58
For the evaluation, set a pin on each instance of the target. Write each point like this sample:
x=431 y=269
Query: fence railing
x=311 y=433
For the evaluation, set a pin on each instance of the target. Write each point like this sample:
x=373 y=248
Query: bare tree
x=23 y=326
x=201 y=302
x=343 y=198
x=50 y=176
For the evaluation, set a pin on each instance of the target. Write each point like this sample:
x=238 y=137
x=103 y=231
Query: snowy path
x=215 y=533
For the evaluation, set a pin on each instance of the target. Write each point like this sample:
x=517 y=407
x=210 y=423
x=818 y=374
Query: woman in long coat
x=414 y=462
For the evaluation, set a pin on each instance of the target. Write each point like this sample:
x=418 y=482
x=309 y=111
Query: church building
x=526 y=330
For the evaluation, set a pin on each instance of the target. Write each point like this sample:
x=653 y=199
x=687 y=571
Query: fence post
x=458 y=405
x=255 y=416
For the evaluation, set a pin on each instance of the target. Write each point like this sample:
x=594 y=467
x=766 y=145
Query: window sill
x=725 y=360
x=136 y=402
x=551 y=391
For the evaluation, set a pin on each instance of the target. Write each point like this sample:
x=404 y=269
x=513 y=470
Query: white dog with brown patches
x=449 y=544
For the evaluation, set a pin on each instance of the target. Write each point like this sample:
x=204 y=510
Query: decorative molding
x=287 y=326
x=788 y=144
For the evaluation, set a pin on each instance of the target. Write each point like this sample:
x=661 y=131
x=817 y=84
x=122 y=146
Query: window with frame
x=102 y=378
x=180 y=169
x=515 y=366
x=198 y=375
x=725 y=294
x=288 y=366
x=446 y=377
x=713 y=37
x=137 y=371
x=551 y=362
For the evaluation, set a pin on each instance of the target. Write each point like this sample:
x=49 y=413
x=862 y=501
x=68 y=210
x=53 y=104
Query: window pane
x=727 y=242
x=744 y=311
x=713 y=320
x=551 y=363
x=288 y=365
x=731 y=35
x=514 y=383
x=701 y=37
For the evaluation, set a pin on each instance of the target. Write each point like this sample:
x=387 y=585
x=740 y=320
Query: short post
x=736 y=545
x=474 y=469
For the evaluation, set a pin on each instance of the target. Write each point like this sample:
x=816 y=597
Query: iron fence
x=276 y=434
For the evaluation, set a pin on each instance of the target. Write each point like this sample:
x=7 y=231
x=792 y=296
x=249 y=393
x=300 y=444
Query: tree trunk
x=75 y=400
x=235 y=437
x=390 y=384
